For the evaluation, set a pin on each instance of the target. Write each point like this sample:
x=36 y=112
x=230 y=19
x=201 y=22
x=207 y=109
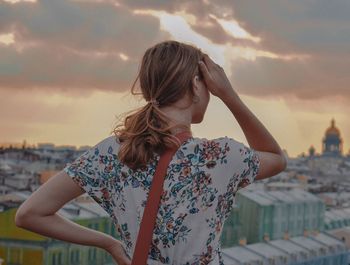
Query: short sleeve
x=243 y=163
x=88 y=172
x=84 y=170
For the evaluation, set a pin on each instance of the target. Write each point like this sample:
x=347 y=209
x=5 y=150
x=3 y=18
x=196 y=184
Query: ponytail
x=146 y=133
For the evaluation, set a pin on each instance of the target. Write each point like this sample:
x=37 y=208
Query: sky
x=66 y=67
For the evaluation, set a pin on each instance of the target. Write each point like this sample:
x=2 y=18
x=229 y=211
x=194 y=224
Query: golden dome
x=332 y=130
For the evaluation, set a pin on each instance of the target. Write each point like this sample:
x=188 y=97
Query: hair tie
x=154 y=102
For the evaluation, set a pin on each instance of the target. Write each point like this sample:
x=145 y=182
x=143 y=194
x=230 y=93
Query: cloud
x=312 y=27
x=62 y=44
x=320 y=29
x=285 y=27
x=63 y=69
x=203 y=12
x=316 y=30
x=83 y=45
x=311 y=78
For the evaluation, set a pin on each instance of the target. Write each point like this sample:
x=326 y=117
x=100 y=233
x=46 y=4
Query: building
x=269 y=215
x=332 y=143
x=319 y=248
x=337 y=218
x=312 y=150
x=21 y=247
x=232 y=231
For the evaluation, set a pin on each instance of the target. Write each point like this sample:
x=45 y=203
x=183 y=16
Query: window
x=59 y=258
x=77 y=256
x=56 y=258
x=92 y=254
x=74 y=256
x=14 y=255
x=306 y=224
x=53 y=259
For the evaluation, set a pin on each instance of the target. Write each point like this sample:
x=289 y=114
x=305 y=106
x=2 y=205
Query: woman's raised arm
x=272 y=158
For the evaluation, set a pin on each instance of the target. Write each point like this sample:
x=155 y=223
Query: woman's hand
x=118 y=253
x=215 y=78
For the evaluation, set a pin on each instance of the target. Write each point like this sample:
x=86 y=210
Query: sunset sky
x=66 y=67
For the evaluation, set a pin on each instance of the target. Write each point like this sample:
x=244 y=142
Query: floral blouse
x=198 y=195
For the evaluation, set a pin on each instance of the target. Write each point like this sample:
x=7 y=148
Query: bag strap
x=145 y=234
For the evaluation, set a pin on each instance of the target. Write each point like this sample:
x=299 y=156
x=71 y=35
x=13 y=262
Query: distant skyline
x=65 y=76
x=25 y=143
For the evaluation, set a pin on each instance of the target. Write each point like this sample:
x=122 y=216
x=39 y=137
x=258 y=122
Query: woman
x=202 y=178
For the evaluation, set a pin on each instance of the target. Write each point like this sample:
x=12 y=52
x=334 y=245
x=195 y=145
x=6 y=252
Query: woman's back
x=198 y=194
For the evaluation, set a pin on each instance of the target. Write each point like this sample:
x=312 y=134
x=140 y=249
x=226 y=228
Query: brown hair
x=165 y=75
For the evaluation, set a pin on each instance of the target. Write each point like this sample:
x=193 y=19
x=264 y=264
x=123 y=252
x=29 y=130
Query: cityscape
x=275 y=78
x=300 y=216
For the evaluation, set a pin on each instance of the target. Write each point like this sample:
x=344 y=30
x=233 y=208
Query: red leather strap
x=145 y=234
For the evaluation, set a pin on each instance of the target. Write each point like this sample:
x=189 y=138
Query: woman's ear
x=195 y=80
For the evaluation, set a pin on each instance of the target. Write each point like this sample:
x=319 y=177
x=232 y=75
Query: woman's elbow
x=283 y=163
x=21 y=218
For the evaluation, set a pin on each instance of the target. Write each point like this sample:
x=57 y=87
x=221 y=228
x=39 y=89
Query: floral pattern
x=198 y=195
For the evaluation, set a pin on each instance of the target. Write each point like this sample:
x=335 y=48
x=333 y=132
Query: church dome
x=332 y=143
x=332 y=130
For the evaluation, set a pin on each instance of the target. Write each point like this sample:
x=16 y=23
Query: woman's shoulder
x=220 y=139
x=225 y=145
x=107 y=144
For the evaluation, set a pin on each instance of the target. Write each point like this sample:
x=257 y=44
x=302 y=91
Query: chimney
x=243 y=241
x=266 y=237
